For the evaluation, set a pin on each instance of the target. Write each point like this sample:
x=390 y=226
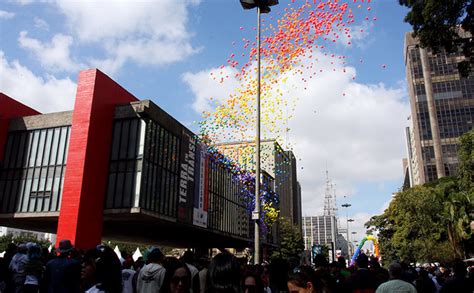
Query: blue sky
x=164 y=50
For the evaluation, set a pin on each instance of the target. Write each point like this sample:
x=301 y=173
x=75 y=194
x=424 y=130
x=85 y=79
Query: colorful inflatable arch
x=357 y=251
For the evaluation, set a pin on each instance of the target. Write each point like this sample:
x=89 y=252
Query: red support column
x=9 y=108
x=85 y=182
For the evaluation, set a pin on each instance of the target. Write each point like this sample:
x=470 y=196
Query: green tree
x=127 y=248
x=6 y=239
x=413 y=228
x=291 y=241
x=435 y=23
x=462 y=206
x=466 y=162
x=431 y=222
x=384 y=226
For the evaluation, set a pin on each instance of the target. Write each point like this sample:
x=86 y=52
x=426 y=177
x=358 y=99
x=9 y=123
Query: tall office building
x=319 y=230
x=279 y=164
x=442 y=109
x=323 y=230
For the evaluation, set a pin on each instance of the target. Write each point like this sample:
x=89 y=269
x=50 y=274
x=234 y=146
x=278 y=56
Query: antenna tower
x=329 y=209
x=335 y=200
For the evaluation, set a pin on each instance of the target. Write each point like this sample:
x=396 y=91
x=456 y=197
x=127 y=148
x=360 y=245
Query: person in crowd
x=188 y=259
x=470 y=274
x=203 y=264
x=33 y=268
x=266 y=279
x=458 y=283
x=17 y=268
x=423 y=282
x=278 y=270
x=5 y=273
x=252 y=283
x=101 y=266
x=301 y=281
x=320 y=261
x=381 y=275
x=88 y=278
x=438 y=279
x=151 y=276
x=223 y=274
x=408 y=273
x=127 y=275
x=362 y=280
x=339 y=273
x=137 y=266
x=177 y=278
x=396 y=284
x=63 y=273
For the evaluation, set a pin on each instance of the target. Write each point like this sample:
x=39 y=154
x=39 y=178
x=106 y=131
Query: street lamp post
x=263 y=6
x=349 y=221
x=347 y=205
x=353 y=236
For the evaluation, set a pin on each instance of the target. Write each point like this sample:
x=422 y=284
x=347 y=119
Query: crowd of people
x=32 y=268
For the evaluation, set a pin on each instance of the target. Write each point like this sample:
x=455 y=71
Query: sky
x=349 y=119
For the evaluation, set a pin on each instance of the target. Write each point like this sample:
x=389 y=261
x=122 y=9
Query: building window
x=32 y=175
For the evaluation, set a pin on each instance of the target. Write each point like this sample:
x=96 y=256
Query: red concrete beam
x=85 y=182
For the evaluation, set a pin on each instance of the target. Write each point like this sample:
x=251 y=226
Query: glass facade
x=227 y=212
x=277 y=163
x=160 y=170
x=454 y=105
x=283 y=182
x=145 y=168
x=31 y=177
x=319 y=230
x=126 y=162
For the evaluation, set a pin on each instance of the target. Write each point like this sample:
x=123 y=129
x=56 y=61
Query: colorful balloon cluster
x=289 y=47
x=357 y=251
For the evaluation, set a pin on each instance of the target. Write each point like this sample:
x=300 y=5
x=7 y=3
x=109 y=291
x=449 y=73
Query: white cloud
x=24 y=2
x=41 y=24
x=6 y=15
x=55 y=55
x=347 y=133
x=205 y=87
x=359 y=35
x=358 y=227
x=146 y=32
x=43 y=94
x=338 y=124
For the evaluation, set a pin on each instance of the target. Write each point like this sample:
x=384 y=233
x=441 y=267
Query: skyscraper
x=442 y=109
x=279 y=164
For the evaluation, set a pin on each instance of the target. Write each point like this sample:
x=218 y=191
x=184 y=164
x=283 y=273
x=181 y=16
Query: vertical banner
x=201 y=187
x=187 y=170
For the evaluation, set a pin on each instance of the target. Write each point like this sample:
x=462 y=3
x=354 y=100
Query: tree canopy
x=291 y=241
x=431 y=222
x=436 y=25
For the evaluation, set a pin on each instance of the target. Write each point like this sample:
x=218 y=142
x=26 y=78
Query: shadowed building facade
x=442 y=109
x=115 y=167
x=280 y=165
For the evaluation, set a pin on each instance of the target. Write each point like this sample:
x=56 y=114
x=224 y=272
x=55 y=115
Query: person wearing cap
x=63 y=273
x=33 y=269
x=127 y=275
x=152 y=275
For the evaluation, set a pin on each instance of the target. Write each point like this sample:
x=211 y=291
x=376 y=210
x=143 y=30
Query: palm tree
x=457 y=207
